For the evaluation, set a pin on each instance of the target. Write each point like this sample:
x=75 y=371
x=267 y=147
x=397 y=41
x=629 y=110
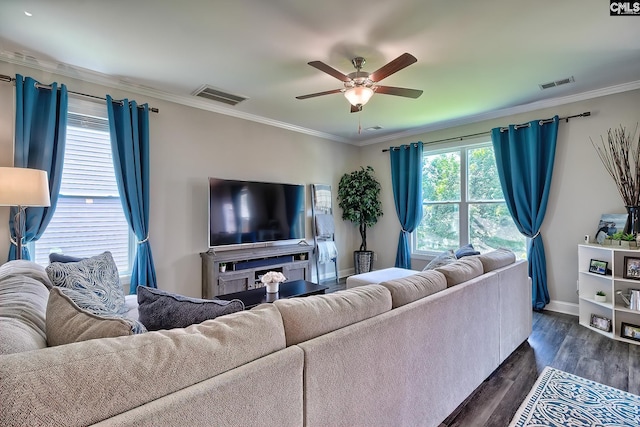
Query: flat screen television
x=254 y=212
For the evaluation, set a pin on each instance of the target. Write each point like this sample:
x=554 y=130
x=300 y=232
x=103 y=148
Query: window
x=89 y=218
x=463 y=203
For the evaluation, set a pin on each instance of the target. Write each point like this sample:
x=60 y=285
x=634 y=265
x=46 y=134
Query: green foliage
x=490 y=223
x=600 y=293
x=621 y=235
x=359 y=198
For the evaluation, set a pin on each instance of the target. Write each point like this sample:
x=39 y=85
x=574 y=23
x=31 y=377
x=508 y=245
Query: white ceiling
x=476 y=59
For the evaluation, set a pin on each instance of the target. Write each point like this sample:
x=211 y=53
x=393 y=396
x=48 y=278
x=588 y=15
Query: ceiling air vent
x=218 y=95
x=560 y=82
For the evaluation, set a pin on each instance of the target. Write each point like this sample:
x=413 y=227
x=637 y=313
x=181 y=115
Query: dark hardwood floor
x=558 y=341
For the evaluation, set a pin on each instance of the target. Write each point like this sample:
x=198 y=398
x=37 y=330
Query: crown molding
x=505 y=112
x=109 y=81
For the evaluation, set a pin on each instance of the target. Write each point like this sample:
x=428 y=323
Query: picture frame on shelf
x=631 y=268
x=629 y=331
x=600 y=322
x=598 y=267
x=612 y=223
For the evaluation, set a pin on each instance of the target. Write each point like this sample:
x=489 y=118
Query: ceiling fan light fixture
x=358 y=95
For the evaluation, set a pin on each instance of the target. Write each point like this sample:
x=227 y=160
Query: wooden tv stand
x=244 y=267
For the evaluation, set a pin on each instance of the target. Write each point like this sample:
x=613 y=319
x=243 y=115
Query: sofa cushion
x=412 y=288
x=497 y=259
x=23 y=304
x=68 y=322
x=97 y=275
x=308 y=317
x=88 y=382
x=163 y=310
x=462 y=270
x=444 y=258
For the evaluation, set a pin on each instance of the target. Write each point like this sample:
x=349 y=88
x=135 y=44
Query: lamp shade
x=23 y=187
x=358 y=95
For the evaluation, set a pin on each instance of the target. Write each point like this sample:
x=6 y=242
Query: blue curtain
x=40 y=133
x=129 y=128
x=524 y=156
x=406 y=180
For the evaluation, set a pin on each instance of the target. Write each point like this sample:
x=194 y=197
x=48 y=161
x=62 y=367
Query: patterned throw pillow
x=97 y=276
x=163 y=310
x=74 y=316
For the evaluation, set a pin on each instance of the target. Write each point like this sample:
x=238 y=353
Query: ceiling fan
x=360 y=86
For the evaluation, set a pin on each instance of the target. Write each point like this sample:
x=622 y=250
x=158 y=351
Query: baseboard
x=563 y=307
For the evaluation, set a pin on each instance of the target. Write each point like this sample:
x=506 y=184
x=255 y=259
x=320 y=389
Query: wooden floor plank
x=559 y=341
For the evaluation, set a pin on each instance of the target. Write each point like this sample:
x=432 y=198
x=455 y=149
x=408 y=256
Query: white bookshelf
x=590 y=283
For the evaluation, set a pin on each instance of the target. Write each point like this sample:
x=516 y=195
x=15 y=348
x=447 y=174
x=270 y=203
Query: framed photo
x=600 y=322
x=631 y=268
x=629 y=331
x=612 y=223
x=598 y=267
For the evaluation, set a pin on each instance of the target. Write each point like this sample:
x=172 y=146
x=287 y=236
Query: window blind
x=88 y=219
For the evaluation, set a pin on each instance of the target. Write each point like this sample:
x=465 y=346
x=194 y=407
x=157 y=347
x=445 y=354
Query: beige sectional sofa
x=402 y=353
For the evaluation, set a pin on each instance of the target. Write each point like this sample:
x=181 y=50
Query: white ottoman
x=378 y=276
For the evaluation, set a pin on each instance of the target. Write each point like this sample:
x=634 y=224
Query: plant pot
x=362 y=261
x=600 y=298
x=223 y=268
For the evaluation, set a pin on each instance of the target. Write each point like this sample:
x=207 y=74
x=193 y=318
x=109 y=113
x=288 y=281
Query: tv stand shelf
x=244 y=267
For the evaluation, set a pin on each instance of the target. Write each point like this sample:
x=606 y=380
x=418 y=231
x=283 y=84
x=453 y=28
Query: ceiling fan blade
x=394 y=66
x=356 y=108
x=399 y=91
x=313 y=95
x=329 y=70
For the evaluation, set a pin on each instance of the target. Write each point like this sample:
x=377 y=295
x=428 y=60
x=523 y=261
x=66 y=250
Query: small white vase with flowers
x=272 y=280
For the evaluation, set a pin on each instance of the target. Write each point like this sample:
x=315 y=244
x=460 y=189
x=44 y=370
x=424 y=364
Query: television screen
x=254 y=212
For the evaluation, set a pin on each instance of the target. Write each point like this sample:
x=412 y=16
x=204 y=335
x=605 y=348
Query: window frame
x=462 y=148
x=87 y=108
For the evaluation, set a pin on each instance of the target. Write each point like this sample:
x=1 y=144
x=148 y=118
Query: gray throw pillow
x=56 y=257
x=466 y=250
x=97 y=275
x=444 y=258
x=163 y=310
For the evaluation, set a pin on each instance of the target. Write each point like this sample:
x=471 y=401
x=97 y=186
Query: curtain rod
x=503 y=129
x=10 y=79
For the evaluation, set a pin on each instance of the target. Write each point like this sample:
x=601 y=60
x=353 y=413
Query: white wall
x=581 y=190
x=187 y=146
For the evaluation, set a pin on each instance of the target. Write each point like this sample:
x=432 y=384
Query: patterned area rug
x=561 y=399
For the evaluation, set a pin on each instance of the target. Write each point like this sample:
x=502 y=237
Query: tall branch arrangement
x=620 y=156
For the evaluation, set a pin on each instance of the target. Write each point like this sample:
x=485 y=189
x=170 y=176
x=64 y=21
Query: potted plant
x=223 y=267
x=359 y=198
x=601 y=296
x=626 y=240
x=620 y=156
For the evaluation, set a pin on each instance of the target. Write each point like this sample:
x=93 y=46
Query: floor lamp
x=22 y=187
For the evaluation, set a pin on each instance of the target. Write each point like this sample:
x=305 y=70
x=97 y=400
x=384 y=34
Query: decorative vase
x=633 y=221
x=272 y=287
